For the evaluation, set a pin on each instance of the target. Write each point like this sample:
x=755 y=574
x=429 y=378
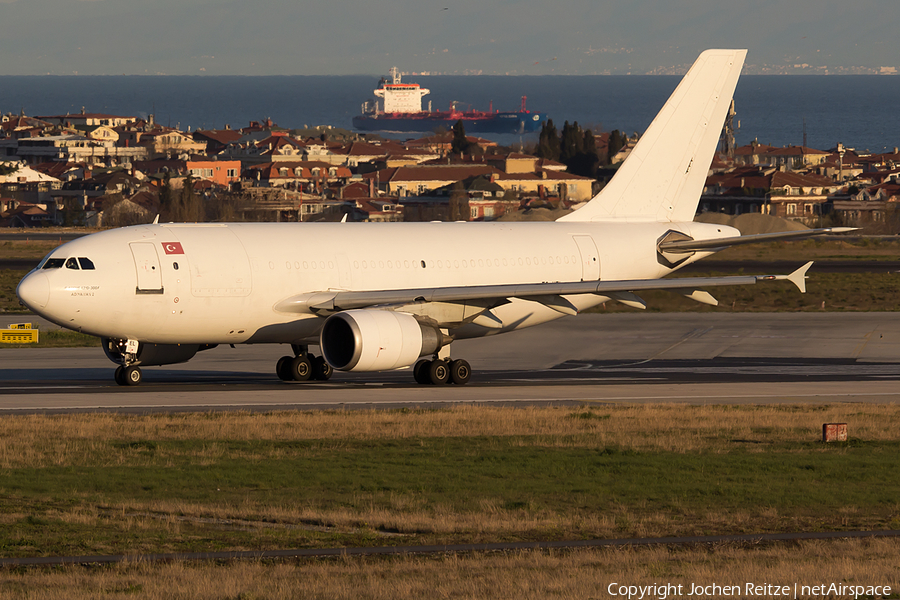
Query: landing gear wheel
x=321 y=370
x=301 y=368
x=438 y=372
x=420 y=372
x=460 y=372
x=132 y=375
x=120 y=375
x=283 y=368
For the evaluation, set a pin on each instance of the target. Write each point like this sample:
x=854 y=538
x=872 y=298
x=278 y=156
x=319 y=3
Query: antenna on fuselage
x=156 y=219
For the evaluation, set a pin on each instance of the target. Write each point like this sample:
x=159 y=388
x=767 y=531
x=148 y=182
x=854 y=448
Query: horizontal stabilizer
x=686 y=246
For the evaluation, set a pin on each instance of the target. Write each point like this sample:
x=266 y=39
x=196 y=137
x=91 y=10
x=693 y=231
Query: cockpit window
x=72 y=263
x=86 y=263
x=54 y=263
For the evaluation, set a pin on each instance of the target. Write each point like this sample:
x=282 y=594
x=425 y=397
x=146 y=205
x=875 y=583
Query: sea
x=859 y=111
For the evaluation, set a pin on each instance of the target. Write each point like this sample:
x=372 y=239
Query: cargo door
x=590 y=258
x=220 y=266
x=146 y=263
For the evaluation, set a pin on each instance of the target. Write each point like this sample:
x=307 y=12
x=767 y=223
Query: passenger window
x=72 y=263
x=175 y=265
x=54 y=263
x=86 y=264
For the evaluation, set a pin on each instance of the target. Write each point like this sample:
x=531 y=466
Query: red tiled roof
x=222 y=136
x=451 y=172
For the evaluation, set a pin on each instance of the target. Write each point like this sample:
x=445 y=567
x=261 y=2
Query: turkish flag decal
x=173 y=248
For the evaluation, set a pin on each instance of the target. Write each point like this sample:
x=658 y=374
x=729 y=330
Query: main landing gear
x=303 y=366
x=440 y=371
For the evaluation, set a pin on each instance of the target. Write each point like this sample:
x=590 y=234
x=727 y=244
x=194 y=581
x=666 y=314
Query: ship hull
x=500 y=122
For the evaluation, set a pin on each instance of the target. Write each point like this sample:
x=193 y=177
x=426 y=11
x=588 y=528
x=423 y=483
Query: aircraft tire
x=301 y=368
x=438 y=372
x=420 y=372
x=132 y=375
x=460 y=372
x=321 y=370
x=120 y=375
x=283 y=368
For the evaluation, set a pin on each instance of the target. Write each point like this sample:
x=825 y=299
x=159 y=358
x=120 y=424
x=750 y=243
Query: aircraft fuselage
x=222 y=283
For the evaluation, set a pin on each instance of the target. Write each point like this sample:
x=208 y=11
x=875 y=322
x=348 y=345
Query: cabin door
x=146 y=263
x=590 y=258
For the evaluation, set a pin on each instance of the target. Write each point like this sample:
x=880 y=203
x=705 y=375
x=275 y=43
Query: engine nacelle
x=152 y=354
x=376 y=340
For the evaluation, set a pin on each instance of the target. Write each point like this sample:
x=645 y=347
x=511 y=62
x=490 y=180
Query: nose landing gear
x=130 y=375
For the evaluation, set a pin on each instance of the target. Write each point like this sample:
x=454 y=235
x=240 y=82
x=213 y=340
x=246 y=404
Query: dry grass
x=520 y=576
x=107 y=440
x=110 y=439
x=254 y=521
x=27 y=249
x=867 y=248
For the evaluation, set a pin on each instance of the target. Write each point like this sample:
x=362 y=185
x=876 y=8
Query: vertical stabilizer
x=663 y=177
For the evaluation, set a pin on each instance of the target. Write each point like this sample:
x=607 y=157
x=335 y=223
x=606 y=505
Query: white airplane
x=386 y=296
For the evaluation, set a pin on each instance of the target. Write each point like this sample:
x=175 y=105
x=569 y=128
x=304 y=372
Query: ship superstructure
x=398 y=107
x=399 y=97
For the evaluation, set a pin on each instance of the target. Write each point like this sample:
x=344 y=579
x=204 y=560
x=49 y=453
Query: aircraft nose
x=34 y=291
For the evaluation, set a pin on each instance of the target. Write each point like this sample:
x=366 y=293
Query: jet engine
x=153 y=354
x=376 y=340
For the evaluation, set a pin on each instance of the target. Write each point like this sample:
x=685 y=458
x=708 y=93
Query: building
x=84 y=120
x=71 y=148
x=221 y=172
x=795 y=196
x=306 y=175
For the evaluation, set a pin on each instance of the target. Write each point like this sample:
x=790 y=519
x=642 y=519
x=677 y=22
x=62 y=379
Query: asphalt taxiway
x=695 y=358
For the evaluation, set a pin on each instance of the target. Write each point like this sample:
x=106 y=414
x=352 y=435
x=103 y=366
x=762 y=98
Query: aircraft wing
x=550 y=294
x=686 y=246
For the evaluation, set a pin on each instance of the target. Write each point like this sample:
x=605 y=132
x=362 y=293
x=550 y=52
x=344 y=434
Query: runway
x=596 y=358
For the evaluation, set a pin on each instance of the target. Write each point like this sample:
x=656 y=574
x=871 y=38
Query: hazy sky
x=290 y=37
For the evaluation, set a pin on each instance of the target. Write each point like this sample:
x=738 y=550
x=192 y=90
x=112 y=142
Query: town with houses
x=99 y=170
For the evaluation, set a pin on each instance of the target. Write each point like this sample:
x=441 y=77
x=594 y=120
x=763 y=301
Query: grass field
x=515 y=576
x=26 y=249
x=103 y=484
x=110 y=484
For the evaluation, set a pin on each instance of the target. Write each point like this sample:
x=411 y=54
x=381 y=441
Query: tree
x=571 y=144
x=459 y=203
x=166 y=201
x=586 y=160
x=73 y=212
x=460 y=144
x=548 y=141
x=118 y=212
x=190 y=205
x=616 y=143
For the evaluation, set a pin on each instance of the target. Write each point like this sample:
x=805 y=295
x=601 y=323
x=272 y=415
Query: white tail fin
x=662 y=178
